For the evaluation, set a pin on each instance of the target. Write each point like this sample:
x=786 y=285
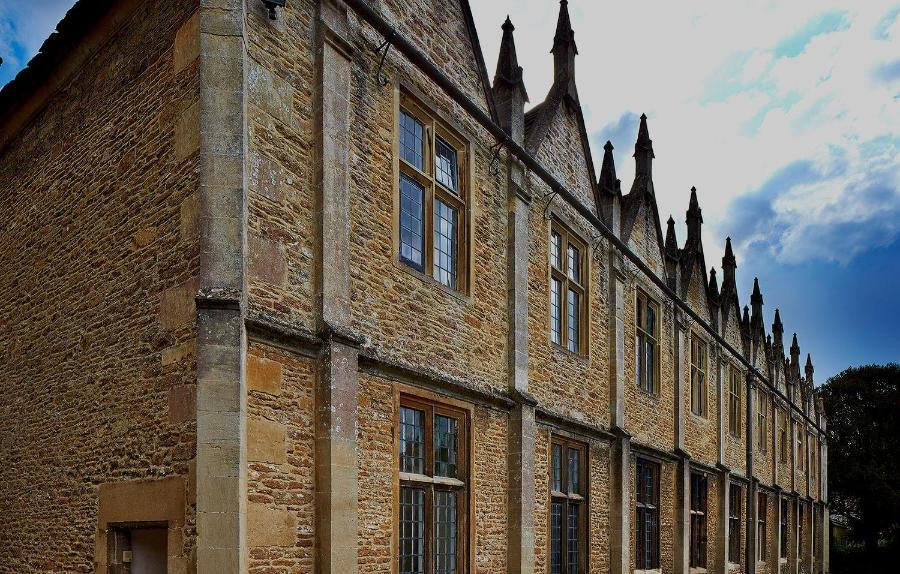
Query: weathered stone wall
x=99 y=259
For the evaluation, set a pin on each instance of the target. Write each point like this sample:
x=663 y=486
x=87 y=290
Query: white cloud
x=736 y=91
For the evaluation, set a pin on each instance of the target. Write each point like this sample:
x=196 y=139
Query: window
x=433 y=488
x=734 y=403
x=568 y=507
x=567 y=289
x=698 y=376
x=762 y=420
x=647 y=343
x=647 y=519
x=698 y=520
x=784 y=528
x=762 y=501
x=783 y=437
x=799 y=530
x=432 y=197
x=800 y=461
x=734 y=523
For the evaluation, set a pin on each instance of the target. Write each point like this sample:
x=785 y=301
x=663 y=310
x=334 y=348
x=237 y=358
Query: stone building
x=300 y=289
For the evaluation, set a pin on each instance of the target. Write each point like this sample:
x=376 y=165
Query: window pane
x=412 y=222
x=445 y=168
x=556 y=538
x=412 y=531
x=555 y=249
x=649 y=367
x=557 y=469
x=444 y=532
x=641 y=367
x=412 y=440
x=574 y=264
x=574 y=314
x=411 y=139
x=572 y=547
x=555 y=311
x=445 y=446
x=574 y=471
x=445 y=233
x=651 y=321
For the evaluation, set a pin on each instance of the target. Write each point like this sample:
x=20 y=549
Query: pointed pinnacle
x=809 y=361
x=564 y=33
x=794 y=344
x=777 y=317
x=508 y=25
x=608 y=146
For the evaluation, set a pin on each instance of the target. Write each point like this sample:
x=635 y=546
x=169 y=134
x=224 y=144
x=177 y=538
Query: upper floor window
x=433 y=504
x=647 y=515
x=734 y=402
x=782 y=437
x=568 y=288
x=432 y=197
x=647 y=343
x=762 y=426
x=568 y=507
x=698 y=520
x=734 y=523
x=698 y=376
x=801 y=462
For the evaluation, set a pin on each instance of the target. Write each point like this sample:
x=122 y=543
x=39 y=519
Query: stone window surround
x=735 y=371
x=424 y=110
x=569 y=237
x=568 y=440
x=704 y=370
x=404 y=392
x=642 y=294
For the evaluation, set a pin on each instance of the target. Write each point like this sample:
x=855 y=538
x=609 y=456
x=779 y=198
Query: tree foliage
x=863 y=409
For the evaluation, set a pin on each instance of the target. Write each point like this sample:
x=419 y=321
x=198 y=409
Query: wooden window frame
x=434 y=127
x=652 y=506
x=699 y=398
x=644 y=301
x=698 y=526
x=580 y=286
x=800 y=458
x=782 y=437
x=735 y=491
x=762 y=420
x=735 y=415
x=569 y=499
x=432 y=405
x=762 y=510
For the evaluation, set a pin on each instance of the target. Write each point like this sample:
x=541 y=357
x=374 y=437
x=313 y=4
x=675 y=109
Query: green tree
x=863 y=409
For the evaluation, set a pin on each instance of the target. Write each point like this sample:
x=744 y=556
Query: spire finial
x=608 y=180
x=694 y=221
x=643 y=150
x=564 y=50
x=756 y=297
x=509 y=89
x=671 y=240
x=713 y=285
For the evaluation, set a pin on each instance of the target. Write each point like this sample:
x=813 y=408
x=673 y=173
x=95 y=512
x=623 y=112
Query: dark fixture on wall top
x=271 y=5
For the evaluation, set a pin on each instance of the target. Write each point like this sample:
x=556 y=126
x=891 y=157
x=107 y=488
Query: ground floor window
x=647 y=515
x=568 y=506
x=699 y=486
x=784 y=529
x=432 y=439
x=761 y=542
x=734 y=523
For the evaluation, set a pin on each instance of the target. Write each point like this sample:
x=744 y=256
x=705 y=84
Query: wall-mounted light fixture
x=271 y=5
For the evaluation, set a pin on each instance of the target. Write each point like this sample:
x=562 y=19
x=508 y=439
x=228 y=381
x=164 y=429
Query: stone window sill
x=698 y=571
x=654 y=571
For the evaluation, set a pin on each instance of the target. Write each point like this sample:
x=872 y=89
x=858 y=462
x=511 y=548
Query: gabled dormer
x=554 y=129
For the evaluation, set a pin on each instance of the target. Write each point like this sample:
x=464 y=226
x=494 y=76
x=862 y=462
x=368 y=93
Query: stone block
x=187 y=43
x=266 y=441
x=263 y=375
x=267 y=261
x=187 y=132
x=190 y=212
x=178 y=353
x=177 y=306
x=182 y=403
x=268 y=526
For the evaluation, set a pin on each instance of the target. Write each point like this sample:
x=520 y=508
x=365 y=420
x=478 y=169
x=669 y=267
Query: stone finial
x=713 y=286
x=809 y=370
x=729 y=264
x=608 y=181
x=671 y=240
x=745 y=321
x=564 y=49
x=795 y=358
x=643 y=150
x=694 y=221
x=778 y=332
x=509 y=88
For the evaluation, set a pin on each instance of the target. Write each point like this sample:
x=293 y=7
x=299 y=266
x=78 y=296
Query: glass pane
x=445 y=233
x=574 y=471
x=574 y=313
x=641 y=367
x=412 y=440
x=556 y=538
x=574 y=264
x=556 y=464
x=444 y=532
x=651 y=321
x=412 y=531
x=555 y=311
x=445 y=446
x=649 y=366
x=412 y=222
x=572 y=547
x=411 y=139
x=445 y=168
x=555 y=249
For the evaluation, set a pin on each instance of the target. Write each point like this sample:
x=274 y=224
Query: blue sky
x=783 y=113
